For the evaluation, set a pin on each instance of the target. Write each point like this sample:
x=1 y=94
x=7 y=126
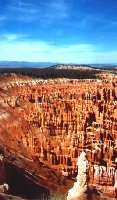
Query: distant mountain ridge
x=23 y=64
x=70 y=71
x=20 y=64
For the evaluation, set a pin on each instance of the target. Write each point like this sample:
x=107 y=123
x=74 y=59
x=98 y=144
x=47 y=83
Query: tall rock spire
x=80 y=187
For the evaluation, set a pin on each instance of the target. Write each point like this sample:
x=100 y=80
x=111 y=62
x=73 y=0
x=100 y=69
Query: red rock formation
x=46 y=124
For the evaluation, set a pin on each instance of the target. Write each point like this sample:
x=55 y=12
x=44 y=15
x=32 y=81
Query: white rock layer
x=80 y=187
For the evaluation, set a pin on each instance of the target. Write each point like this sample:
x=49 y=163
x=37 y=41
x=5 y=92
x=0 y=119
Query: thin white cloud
x=49 y=11
x=43 y=51
x=23 y=8
x=12 y=36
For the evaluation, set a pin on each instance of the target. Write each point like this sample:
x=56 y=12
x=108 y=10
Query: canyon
x=47 y=119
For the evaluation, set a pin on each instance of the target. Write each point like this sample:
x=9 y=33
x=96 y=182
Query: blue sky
x=68 y=31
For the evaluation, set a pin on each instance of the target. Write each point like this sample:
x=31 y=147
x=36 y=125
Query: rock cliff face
x=27 y=178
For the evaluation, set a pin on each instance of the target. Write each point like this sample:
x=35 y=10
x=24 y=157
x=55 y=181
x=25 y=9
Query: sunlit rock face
x=81 y=190
x=80 y=187
x=82 y=171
